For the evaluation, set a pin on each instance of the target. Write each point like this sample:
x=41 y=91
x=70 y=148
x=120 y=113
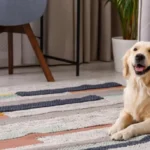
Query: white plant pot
x=120 y=46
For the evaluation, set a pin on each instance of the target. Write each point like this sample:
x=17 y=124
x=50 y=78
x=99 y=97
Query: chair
x=15 y=16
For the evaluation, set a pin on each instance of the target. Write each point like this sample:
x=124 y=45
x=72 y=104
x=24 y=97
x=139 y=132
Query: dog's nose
x=139 y=57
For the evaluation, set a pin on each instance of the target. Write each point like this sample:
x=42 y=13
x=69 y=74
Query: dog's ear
x=125 y=64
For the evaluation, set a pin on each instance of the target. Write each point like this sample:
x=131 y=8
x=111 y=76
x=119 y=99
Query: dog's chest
x=135 y=102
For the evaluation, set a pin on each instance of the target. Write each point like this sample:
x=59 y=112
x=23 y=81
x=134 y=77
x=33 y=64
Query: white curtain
x=144 y=20
x=59 y=28
x=98 y=24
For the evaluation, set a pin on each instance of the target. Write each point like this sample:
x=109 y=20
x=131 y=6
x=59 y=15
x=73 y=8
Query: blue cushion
x=18 y=12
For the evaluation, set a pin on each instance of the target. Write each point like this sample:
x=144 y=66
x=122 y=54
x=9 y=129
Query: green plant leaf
x=128 y=14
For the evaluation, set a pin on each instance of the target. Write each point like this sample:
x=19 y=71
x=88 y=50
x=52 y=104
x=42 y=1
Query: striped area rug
x=64 y=116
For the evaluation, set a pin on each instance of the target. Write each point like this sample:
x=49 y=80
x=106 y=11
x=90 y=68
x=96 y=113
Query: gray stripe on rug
x=120 y=145
x=68 y=89
x=56 y=102
x=27 y=100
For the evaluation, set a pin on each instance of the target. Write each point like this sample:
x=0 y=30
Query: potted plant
x=128 y=15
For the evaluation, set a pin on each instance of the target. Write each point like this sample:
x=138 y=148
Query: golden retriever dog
x=134 y=119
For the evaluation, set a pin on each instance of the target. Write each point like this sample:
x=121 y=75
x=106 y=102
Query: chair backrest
x=18 y=12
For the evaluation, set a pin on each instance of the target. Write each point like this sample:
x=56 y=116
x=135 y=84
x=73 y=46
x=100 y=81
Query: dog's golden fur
x=134 y=120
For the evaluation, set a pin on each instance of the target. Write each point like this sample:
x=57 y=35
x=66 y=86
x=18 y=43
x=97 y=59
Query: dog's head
x=137 y=60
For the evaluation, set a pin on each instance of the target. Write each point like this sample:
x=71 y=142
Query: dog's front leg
x=122 y=122
x=133 y=130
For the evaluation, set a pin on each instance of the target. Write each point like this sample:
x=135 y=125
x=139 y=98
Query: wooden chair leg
x=10 y=52
x=28 y=30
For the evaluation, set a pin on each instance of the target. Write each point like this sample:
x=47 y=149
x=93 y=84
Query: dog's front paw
x=122 y=135
x=113 y=129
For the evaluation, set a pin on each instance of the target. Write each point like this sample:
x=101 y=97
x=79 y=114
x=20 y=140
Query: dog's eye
x=135 y=49
x=149 y=50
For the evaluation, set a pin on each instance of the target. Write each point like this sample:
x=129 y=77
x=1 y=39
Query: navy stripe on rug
x=56 y=102
x=121 y=145
x=68 y=89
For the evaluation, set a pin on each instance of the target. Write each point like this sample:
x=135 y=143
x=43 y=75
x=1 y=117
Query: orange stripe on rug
x=33 y=138
x=3 y=116
x=103 y=89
